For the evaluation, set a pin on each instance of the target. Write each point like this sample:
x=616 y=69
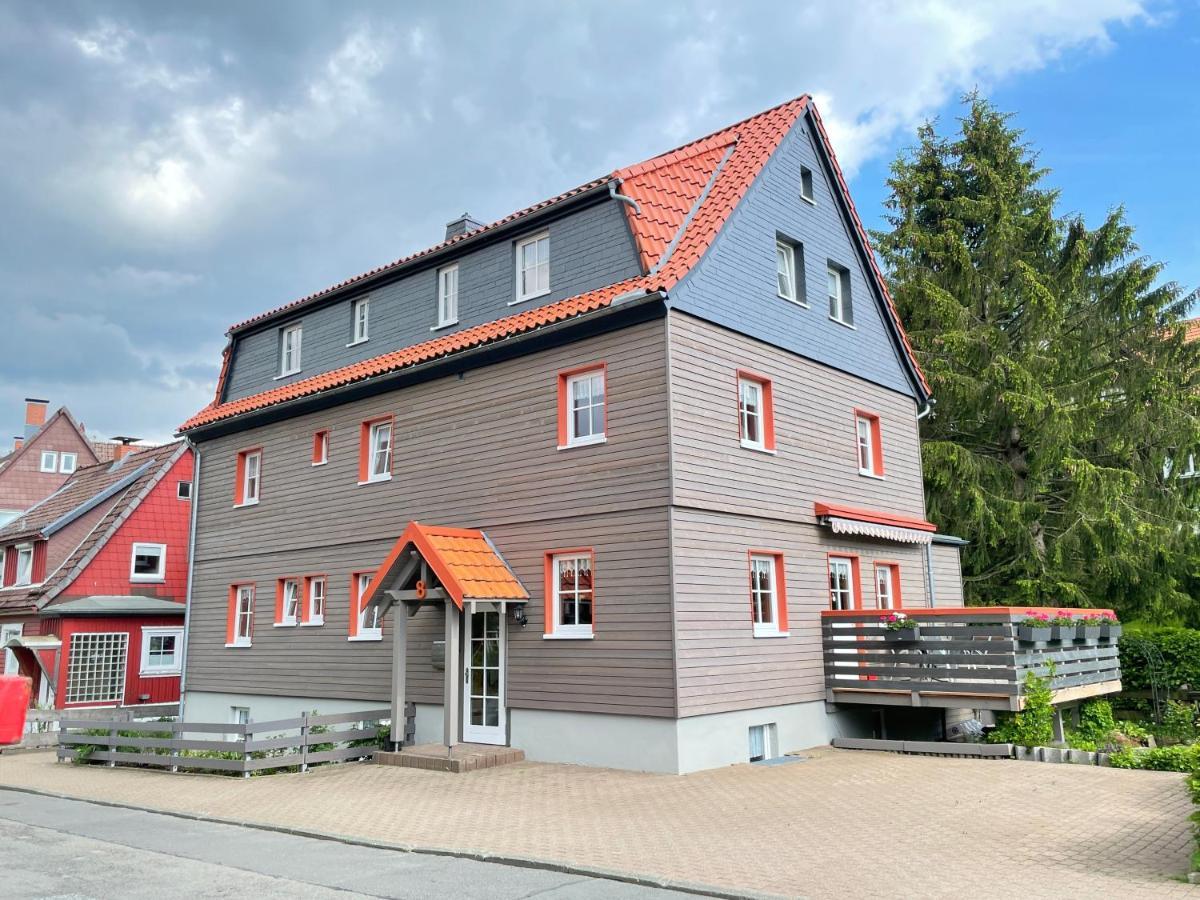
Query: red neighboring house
x=94 y=580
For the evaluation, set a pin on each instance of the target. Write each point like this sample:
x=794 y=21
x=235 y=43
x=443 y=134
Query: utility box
x=15 y=691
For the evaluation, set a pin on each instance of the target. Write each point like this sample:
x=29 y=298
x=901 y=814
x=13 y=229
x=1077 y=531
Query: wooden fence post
x=112 y=744
x=246 y=751
x=304 y=741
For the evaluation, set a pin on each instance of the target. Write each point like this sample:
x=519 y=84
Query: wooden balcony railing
x=973 y=657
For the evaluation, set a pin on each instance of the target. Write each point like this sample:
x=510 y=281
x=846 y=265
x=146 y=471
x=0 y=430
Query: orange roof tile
x=464 y=560
x=1191 y=329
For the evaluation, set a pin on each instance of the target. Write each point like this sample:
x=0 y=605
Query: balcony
x=974 y=658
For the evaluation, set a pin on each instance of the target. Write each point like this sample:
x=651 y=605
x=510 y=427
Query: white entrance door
x=483 y=675
x=7 y=633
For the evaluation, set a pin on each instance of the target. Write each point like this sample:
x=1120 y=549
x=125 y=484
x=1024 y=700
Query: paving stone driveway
x=838 y=824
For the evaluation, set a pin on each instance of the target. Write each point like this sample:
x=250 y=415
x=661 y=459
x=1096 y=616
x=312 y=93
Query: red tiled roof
x=668 y=188
x=463 y=559
x=1191 y=329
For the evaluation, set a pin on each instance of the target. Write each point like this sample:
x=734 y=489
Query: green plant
x=1178 y=721
x=1180 y=758
x=1033 y=726
x=1167 y=655
x=1036 y=620
x=897 y=622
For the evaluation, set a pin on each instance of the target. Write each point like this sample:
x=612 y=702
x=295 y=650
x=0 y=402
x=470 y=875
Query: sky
x=167 y=170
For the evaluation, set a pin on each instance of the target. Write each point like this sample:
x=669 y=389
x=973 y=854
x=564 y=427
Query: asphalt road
x=71 y=850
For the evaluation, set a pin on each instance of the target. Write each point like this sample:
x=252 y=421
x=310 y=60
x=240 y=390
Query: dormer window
x=49 y=461
x=533 y=267
x=447 y=296
x=360 y=311
x=289 y=350
x=24 y=570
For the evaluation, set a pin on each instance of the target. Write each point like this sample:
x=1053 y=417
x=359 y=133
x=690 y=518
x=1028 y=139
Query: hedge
x=1180 y=651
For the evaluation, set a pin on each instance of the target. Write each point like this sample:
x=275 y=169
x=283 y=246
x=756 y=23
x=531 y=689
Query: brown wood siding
x=815 y=455
x=721 y=665
x=476 y=451
x=947 y=576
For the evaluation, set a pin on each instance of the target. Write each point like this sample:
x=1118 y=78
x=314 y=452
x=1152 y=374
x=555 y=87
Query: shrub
x=1178 y=721
x=1181 y=758
x=1034 y=725
x=1178 y=647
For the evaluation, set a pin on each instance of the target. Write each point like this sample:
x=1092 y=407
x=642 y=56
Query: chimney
x=464 y=224
x=35 y=415
x=126 y=446
x=18 y=442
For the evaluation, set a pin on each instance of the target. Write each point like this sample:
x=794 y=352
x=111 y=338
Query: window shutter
x=231 y=616
x=781 y=593
x=10 y=565
x=39 y=562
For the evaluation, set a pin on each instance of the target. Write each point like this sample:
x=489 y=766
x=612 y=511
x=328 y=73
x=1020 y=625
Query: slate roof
x=684 y=197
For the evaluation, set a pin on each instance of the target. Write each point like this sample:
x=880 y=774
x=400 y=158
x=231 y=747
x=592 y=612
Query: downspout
x=929 y=574
x=623 y=198
x=926 y=409
x=187 y=605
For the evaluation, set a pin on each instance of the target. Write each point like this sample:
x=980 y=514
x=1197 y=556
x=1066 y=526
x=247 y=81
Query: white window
x=184 y=490
x=841 y=586
x=447 y=296
x=806 y=184
x=149 y=562
x=7 y=633
x=289 y=350
x=243 y=615
x=96 y=667
x=360 y=311
x=785 y=271
x=67 y=463
x=316 y=601
x=380 y=461
x=763 y=742
x=251 y=476
x=24 y=564
x=49 y=461
x=752 y=414
x=289 y=602
x=162 y=651
x=764 y=595
x=885 y=585
x=239 y=715
x=1190 y=471
x=368 y=619
x=839 y=296
x=573 y=595
x=585 y=408
x=867 y=439
x=533 y=267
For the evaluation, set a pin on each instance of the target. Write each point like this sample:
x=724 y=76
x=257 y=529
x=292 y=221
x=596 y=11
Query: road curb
x=525 y=862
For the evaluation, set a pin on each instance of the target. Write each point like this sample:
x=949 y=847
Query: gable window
x=287 y=601
x=96 y=667
x=67 y=463
x=49 y=461
x=314 y=592
x=162 y=651
x=320 y=448
x=887 y=585
x=582 y=413
x=806 y=185
x=571 y=594
x=756 y=413
x=843 y=582
x=787 y=280
x=184 y=490
x=533 y=267
x=24 y=569
x=869 y=444
x=149 y=562
x=289 y=350
x=240 y=625
x=375 y=451
x=360 y=316
x=447 y=296
x=768 y=600
x=841 y=310
x=364 y=621
x=248 y=477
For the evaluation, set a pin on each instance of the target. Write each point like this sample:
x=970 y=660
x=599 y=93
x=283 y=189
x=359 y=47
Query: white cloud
x=132 y=280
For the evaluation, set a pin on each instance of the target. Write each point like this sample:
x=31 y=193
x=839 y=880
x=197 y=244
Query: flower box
x=1031 y=633
x=904 y=635
x=1062 y=632
x=1088 y=632
x=1111 y=632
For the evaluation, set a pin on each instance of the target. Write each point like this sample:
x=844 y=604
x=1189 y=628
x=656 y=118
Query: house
x=93 y=581
x=586 y=481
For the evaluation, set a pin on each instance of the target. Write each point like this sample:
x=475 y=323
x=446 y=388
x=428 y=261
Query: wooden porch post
x=399 y=671
x=453 y=676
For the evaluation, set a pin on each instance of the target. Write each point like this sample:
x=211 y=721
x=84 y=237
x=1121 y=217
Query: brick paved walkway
x=839 y=824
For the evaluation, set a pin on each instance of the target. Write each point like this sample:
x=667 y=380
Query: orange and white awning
x=886 y=526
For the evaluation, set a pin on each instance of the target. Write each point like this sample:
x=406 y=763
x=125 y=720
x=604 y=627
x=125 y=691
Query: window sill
x=284 y=375
x=174 y=674
x=359 y=341
x=809 y=200
x=793 y=301
x=312 y=623
x=865 y=474
x=442 y=325
x=771 y=634
x=283 y=624
x=569 y=637
x=527 y=298
x=376 y=480
x=842 y=322
x=158 y=579
x=758 y=448
x=365 y=637
x=245 y=503
x=239 y=644
x=321 y=463
x=585 y=442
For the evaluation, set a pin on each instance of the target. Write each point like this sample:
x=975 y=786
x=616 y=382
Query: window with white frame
x=316 y=600
x=239 y=715
x=162 y=651
x=360 y=316
x=840 y=308
x=149 y=562
x=289 y=606
x=447 y=295
x=24 y=573
x=869 y=444
x=243 y=615
x=289 y=349
x=574 y=595
x=887 y=578
x=96 y=667
x=251 y=477
x=184 y=490
x=841 y=583
x=533 y=267
x=8 y=631
x=785 y=272
x=764 y=594
x=49 y=461
x=67 y=462
x=379 y=444
x=752 y=413
x=368 y=619
x=320 y=451
x=585 y=408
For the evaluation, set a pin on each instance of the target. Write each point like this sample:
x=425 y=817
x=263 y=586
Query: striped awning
x=883 y=532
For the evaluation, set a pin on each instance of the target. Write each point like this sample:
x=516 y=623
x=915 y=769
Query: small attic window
x=49 y=461
x=185 y=490
x=806 y=184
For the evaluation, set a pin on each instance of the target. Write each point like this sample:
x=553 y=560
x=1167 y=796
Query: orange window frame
x=876 y=441
x=364 y=446
x=563 y=400
x=306 y=597
x=780 y=586
x=320 y=447
x=231 y=612
x=549 y=623
x=239 y=483
x=893 y=569
x=279 y=597
x=355 y=600
x=768 y=403
x=855 y=578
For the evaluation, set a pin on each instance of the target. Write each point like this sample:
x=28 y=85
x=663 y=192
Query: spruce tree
x=1066 y=396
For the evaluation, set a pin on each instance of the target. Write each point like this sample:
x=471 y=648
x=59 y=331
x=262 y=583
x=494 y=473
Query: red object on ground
x=14 y=700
